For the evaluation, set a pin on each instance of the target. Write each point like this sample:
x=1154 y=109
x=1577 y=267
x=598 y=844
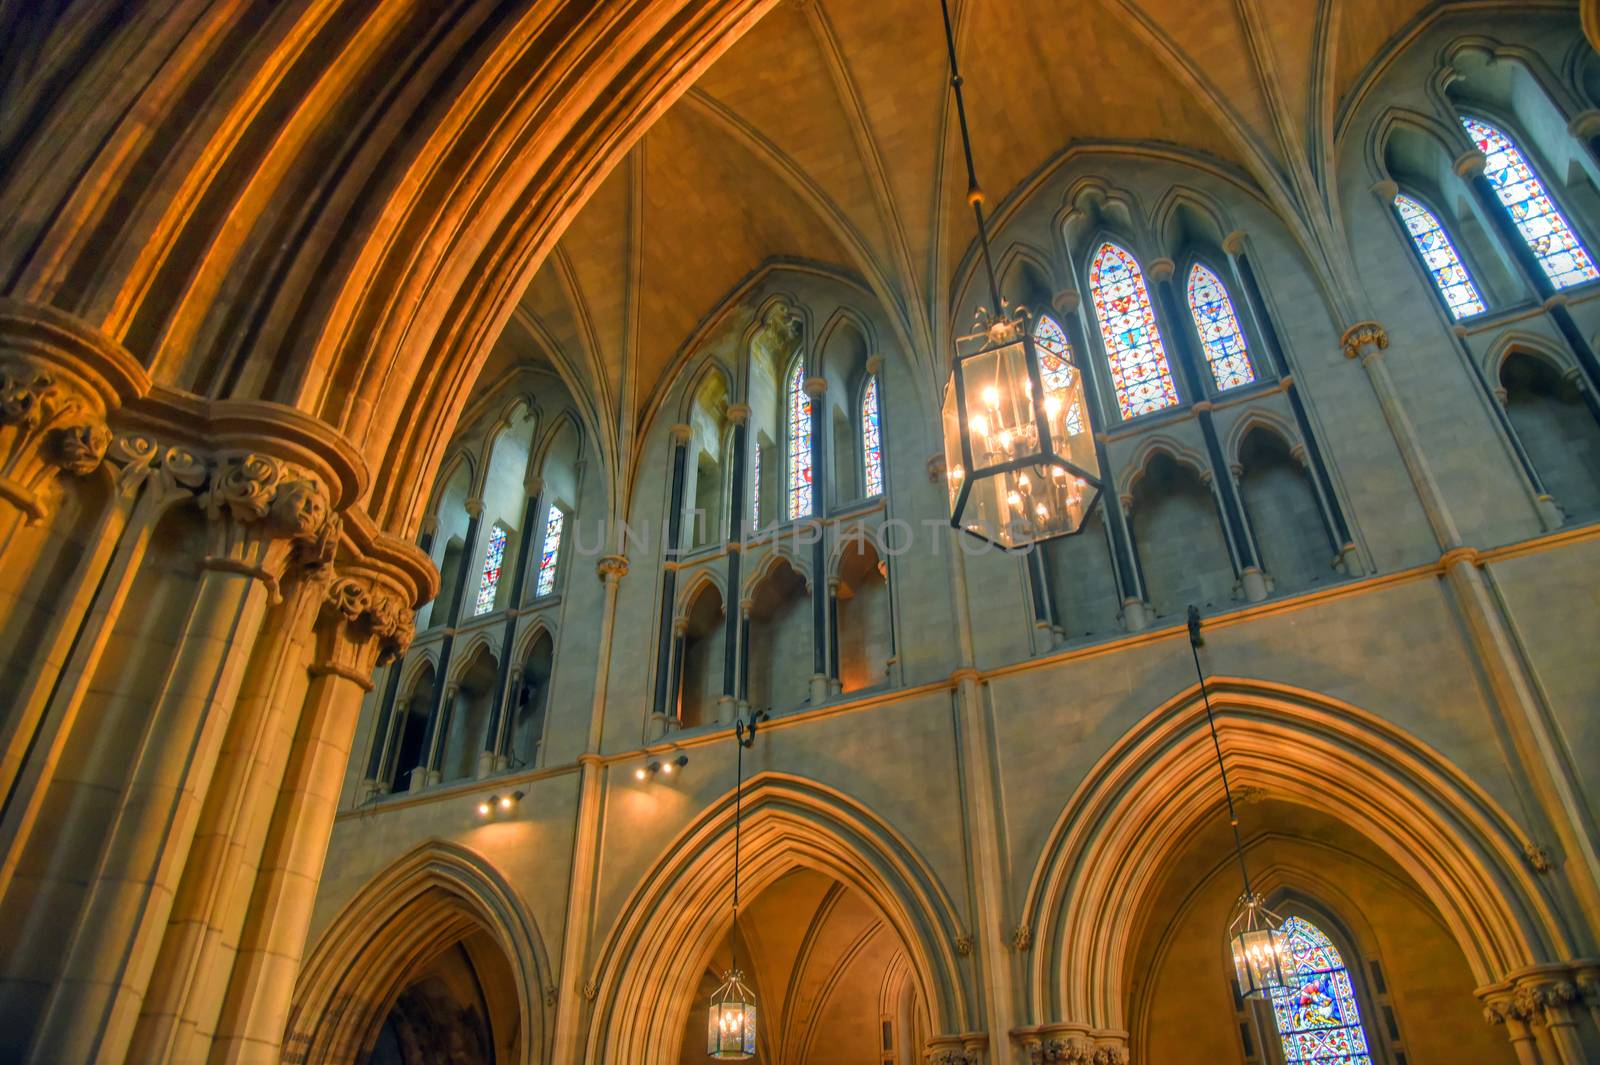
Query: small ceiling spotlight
x=676 y=763
x=640 y=773
x=654 y=766
x=484 y=809
x=502 y=803
x=508 y=801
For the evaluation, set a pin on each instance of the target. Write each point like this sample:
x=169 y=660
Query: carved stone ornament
x=954 y=1057
x=1537 y=855
x=612 y=568
x=369 y=612
x=1361 y=336
x=46 y=427
x=936 y=468
x=963 y=944
x=1021 y=938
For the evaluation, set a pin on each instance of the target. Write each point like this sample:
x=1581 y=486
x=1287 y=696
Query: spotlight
x=483 y=809
x=508 y=801
x=639 y=774
x=655 y=767
x=676 y=763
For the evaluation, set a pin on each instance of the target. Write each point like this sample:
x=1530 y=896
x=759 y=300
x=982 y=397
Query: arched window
x=871 y=440
x=1560 y=253
x=554 y=519
x=1220 y=335
x=1139 y=370
x=799 y=434
x=1055 y=365
x=1318 y=1019
x=492 y=561
x=1439 y=256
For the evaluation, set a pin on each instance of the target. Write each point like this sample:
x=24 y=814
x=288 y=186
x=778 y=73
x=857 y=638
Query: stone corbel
x=612 y=568
x=1066 y=301
x=815 y=387
x=1073 y=1044
x=1360 y=337
x=59 y=380
x=363 y=623
x=1470 y=163
x=261 y=511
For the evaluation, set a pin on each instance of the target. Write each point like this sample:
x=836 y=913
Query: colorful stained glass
x=1055 y=364
x=1220 y=335
x=1318 y=1019
x=1560 y=253
x=799 y=406
x=1140 y=373
x=755 y=491
x=492 y=561
x=871 y=440
x=553 y=522
x=1439 y=256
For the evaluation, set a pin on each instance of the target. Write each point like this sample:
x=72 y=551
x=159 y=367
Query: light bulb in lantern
x=1023 y=482
x=1005 y=439
x=979 y=425
x=1052 y=405
x=1042 y=511
x=956 y=473
x=1058 y=473
x=991 y=397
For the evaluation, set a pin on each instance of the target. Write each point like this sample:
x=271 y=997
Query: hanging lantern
x=731 y=1027
x=1020 y=461
x=1256 y=937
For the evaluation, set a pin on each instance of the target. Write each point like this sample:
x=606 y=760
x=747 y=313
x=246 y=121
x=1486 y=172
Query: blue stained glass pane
x=1439 y=255
x=1140 y=374
x=493 y=559
x=1319 y=1021
x=1561 y=254
x=799 y=406
x=554 y=519
x=755 y=492
x=1220 y=335
x=1055 y=365
x=871 y=440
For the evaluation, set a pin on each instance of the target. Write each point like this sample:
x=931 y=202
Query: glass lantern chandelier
x=1255 y=933
x=1020 y=460
x=731 y=1021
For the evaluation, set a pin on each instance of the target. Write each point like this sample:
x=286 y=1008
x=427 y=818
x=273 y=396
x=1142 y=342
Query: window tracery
x=1319 y=1021
x=1226 y=353
x=1140 y=373
x=1552 y=239
x=1438 y=254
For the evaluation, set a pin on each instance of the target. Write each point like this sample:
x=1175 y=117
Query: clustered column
x=669 y=650
x=735 y=632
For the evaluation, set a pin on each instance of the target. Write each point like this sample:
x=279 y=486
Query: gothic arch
x=1112 y=837
x=552 y=435
x=695 y=585
x=1519 y=342
x=780 y=554
x=1257 y=418
x=525 y=643
x=1159 y=444
x=652 y=957
x=1167 y=218
x=422 y=904
x=427 y=658
x=480 y=642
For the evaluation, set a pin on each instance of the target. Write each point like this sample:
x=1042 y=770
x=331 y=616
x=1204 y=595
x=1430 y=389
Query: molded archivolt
x=407 y=915
x=653 y=957
x=1139 y=804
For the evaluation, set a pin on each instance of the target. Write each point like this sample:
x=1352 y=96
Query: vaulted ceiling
x=827 y=134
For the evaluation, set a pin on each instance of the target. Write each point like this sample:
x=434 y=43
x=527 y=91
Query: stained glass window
x=1439 y=256
x=1139 y=370
x=492 y=562
x=871 y=440
x=554 y=519
x=1318 y=1019
x=1220 y=335
x=1055 y=364
x=1560 y=253
x=755 y=491
x=799 y=405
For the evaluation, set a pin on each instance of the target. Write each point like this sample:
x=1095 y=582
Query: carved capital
x=815 y=386
x=1161 y=269
x=875 y=364
x=612 y=568
x=1470 y=163
x=364 y=622
x=1233 y=243
x=60 y=378
x=1066 y=301
x=738 y=413
x=1537 y=855
x=261 y=511
x=679 y=433
x=964 y=944
x=1385 y=190
x=936 y=468
x=1360 y=337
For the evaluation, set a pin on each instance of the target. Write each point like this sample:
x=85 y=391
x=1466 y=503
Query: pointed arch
x=421 y=905
x=1270 y=421
x=1222 y=340
x=664 y=936
x=1141 y=377
x=1450 y=276
x=1460 y=847
x=1543 y=225
x=691 y=589
x=1146 y=452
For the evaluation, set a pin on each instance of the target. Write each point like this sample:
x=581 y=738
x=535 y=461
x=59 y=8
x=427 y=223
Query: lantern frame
x=1257 y=944
x=999 y=333
x=737 y=1044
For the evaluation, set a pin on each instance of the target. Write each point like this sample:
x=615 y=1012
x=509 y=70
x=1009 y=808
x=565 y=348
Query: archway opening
x=831 y=977
x=1179 y=535
x=866 y=648
x=778 y=666
x=1557 y=431
x=459 y=1007
x=1407 y=989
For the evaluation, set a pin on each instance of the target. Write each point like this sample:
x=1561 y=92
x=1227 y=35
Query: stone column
x=660 y=718
x=680 y=629
x=835 y=684
x=214 y=892
x=1124 y=558
x=254 y=504
x=739 y=414
x=583 y=883
x=1332 y=511
x=438 y=735
x=743 y=706
x=363 y=619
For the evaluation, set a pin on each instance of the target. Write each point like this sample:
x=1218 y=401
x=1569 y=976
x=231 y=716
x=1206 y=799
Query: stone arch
x=1152 y=446
x=424 y=903
x=1269 y=421
x=1112 y=837
x=651 y=959
x=779 y=555
x=1521 y=342
x=1186 y=217
x=696 y=584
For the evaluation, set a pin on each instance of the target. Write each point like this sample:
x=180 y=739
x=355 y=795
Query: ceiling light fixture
x=1005 y=416
x=731 y=1024
x=1255 y=933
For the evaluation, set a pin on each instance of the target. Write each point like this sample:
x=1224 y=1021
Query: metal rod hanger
x=974 y=190
x=1195 y=643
